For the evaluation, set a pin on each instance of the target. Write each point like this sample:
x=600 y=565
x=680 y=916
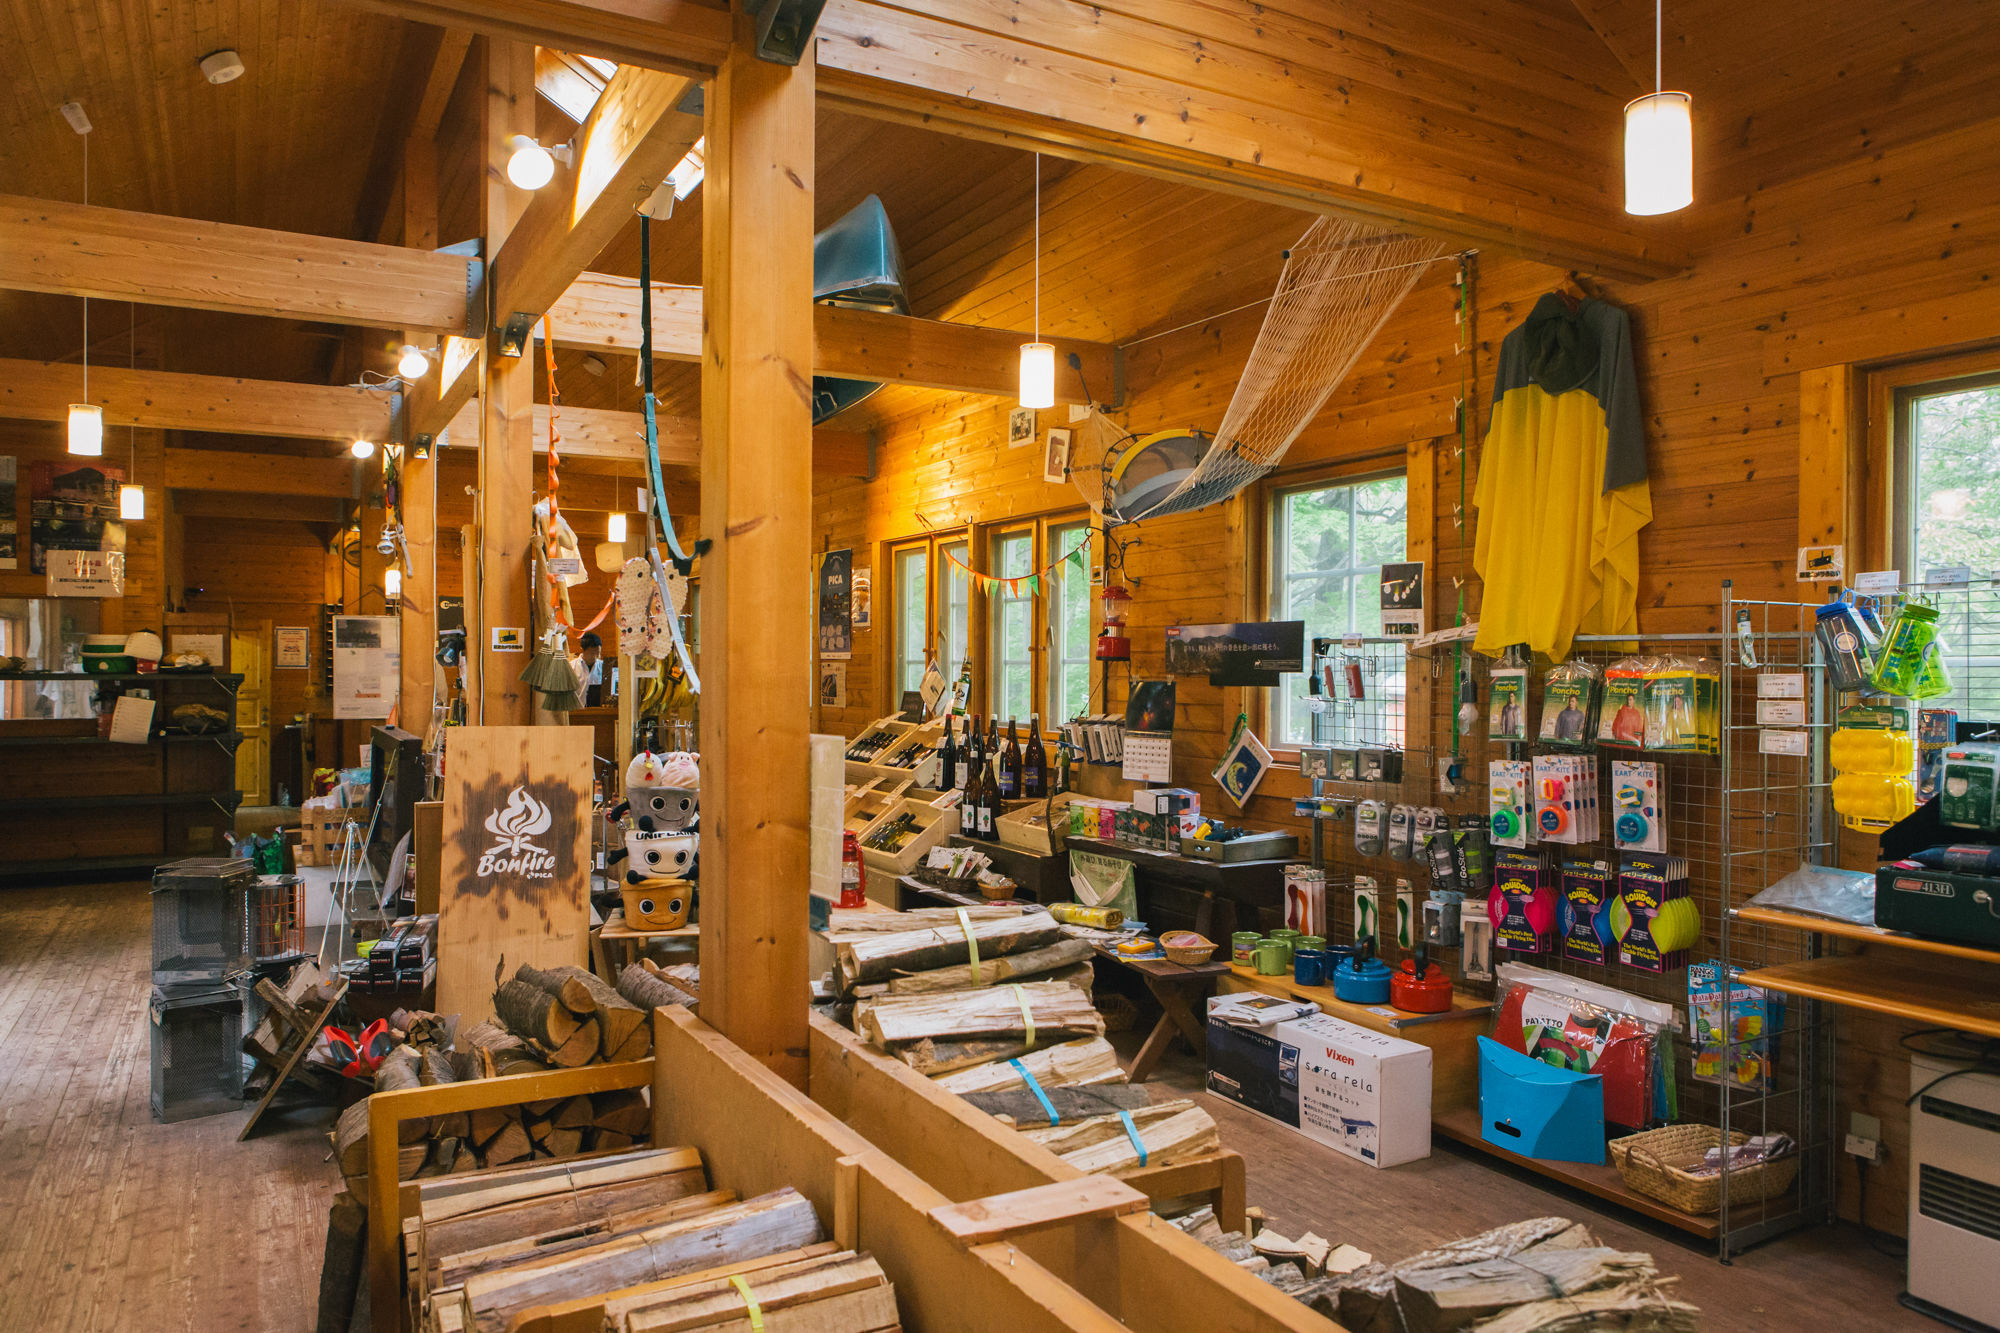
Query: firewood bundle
x=1170 y=1132
x=631 y=1243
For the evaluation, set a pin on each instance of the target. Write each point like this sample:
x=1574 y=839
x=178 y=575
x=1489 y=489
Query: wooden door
x=250 y=652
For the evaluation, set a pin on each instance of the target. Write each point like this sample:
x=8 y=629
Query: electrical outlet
x=1864 y=1126
x=1868 y=1150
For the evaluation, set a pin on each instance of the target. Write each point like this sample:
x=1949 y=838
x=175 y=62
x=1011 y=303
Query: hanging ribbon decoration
x=1033 y=581
x=683 y=562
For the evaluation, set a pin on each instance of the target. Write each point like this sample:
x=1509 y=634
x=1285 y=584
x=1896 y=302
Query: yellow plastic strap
x=1021 y=998
x=750 y=1303
x=971 y=945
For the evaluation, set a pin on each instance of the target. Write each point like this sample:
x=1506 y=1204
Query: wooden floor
x=109 y=1221
x=1824 y=1279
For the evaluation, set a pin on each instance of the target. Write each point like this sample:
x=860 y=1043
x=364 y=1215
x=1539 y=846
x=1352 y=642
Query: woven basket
x=1187 y=948
x=1654 y=1164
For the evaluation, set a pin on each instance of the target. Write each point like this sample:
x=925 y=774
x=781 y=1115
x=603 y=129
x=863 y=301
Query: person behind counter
x=589 y=668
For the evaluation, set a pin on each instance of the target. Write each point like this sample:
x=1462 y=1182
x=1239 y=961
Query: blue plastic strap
x=1132 y=1133
x=1035 y=1087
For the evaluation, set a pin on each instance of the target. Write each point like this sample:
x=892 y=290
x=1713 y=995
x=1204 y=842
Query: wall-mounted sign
x=836 y=606
x=1242 y=653
x=291 y=647
x=509 y=639
x=366 y=666
x=1403 y=598
x=86 y=573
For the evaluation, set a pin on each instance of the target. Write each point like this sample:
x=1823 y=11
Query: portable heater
x=1955 y=1188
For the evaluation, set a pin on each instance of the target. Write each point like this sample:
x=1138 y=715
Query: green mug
x=1243 y=946
x=1309 y=942
x=1272 y=958
x=1285 y=933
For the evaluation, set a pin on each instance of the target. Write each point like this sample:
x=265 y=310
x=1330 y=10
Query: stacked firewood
x=629 y=1243
x=549 y=1018
x=961 y=999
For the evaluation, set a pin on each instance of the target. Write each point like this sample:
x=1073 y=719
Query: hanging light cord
x=1038 y=247
x=86 y=299
x=1659 y=8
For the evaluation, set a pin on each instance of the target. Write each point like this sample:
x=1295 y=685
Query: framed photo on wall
x=1055 y=456
x=1020 y=427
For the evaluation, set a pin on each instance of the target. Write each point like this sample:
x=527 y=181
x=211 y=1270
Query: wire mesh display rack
x=1740 y=818
x=1776 y=815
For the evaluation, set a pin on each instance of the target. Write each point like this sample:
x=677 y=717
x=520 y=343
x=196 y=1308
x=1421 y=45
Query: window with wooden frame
x=1944 y=434
x=1072 y=646
x=1011 y=680
x=1327 y=542
x=930 y=596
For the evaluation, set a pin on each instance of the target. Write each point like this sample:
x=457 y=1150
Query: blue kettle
x=1362 y=979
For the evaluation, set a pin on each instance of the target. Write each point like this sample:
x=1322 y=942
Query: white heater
x=1955 y=1189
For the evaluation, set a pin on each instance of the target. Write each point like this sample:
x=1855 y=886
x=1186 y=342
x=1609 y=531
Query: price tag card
x=1781 y=685
x=1781 y=712
x=1782 y=742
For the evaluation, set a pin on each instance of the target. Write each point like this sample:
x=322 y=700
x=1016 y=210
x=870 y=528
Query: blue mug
x=1309 y=967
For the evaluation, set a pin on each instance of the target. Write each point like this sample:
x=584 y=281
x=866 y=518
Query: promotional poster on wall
x=1403 y=599
x=1242 y=653
x=836 y=606
x=73 y=508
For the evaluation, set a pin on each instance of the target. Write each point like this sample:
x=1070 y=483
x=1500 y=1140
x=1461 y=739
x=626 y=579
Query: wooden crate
x=319 y=835
x=871 y=805
x=1017 y=832
x=1075 y=1264
x=936 y=826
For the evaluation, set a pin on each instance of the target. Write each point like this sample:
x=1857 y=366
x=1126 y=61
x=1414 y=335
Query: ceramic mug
x=1287 y=933
x=1309 y=967
x=1243 y=947
x=1309 y=942
x=1272 y=957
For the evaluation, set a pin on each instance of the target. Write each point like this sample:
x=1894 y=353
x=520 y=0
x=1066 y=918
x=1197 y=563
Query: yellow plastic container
x=1874 y=798
x=1856 y=750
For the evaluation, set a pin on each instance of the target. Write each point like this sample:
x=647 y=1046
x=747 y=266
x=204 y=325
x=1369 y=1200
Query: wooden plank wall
x=29 y=442
x=1848 y=246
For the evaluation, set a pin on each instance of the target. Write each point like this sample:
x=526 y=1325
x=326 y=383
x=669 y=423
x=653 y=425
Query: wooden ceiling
x=1781 y=89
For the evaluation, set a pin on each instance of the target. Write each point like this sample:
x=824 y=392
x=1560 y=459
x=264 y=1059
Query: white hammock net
x=1340 y=283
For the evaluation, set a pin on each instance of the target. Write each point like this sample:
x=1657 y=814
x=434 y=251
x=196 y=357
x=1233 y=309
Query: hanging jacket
x=1562 y=489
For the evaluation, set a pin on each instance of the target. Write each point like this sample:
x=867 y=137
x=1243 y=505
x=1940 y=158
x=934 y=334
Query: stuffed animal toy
x=657 y=904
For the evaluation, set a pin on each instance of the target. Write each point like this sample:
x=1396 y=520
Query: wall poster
x=73 y=507
x=291 y=647
x=10 y=520
x=366 y=666
x=836 y=605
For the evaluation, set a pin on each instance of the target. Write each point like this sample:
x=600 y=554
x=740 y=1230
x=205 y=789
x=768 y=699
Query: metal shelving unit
x=1776 y=815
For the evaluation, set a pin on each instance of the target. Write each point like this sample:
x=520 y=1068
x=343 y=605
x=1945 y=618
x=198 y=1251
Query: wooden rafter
x=164 y=400
x=600 y=312
x=636 y=133
x=85 y=250
x=676 y=35
x=259 y=474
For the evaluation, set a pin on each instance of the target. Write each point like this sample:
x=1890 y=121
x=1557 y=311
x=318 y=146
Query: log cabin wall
x=1847 y=246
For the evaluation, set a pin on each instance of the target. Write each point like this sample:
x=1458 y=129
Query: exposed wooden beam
x=231 y=505
x=1068 y=79
x=634 y=137
x=260 y=474
x=592 y=432
x=84 y=250
x=566 y=83
x=601 y=312
x=442 y=81
x=43 y=391
x=405 y=141
x=756 y=502
x=659 y=34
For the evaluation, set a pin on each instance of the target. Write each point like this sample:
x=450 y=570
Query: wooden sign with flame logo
x=514 y=881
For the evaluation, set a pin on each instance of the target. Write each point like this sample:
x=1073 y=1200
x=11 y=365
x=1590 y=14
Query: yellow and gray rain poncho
x=1562 y=488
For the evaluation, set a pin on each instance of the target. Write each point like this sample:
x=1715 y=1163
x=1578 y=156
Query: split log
x=1049 y=1010
x=350 y=1141
x=649 y=990
x=438 y=1202
x=340 y=1273
x=933 y=1059
x=535 y=1015
x=770 y=1224
x=451 y=1270
x=1012 y=967
x=468 y=1161
x=1440 y=1300
x=1074 y=1063
x=572 y=1113
x=421 y=1028
x=563 y=1142
x=623 y=1110
x=1171 y=1131
x=558 y=1207
x=843 y=1291
x=433 y=1067
x=511 y=1144
x=611 y=1140
x=410 y=1159
x=400 y=1070
x=879 y=957
x=500 y=1051
x=486 y=1121
x=1365 y=1299
x=625 y=1029
x=1638 y=1307
x=846 y=922
x=1022 y=1108
x=444 y=1154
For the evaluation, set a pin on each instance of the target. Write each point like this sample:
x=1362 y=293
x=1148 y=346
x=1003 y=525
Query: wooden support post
x=418 y=611
x=507 y=453
x=756 y=507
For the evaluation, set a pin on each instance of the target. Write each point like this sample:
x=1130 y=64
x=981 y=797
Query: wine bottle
x=1010 y=763
x=989 y=793
x=948 y=758
x=970 y=795
x=1035 y=762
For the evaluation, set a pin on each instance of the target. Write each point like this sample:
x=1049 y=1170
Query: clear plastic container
x=1843 y=639
x=1901 y=661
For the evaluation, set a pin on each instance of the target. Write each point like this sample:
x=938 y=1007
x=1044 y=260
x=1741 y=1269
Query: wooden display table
x=1450 y=1036
x=912 y=893
x=1212 y=898
x=1043 y=876
x=1178 y=988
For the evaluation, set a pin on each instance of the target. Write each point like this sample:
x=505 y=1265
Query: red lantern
x=1112 y=645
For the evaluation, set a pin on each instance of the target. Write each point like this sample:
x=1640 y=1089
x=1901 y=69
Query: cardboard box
x=1362 y=1093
